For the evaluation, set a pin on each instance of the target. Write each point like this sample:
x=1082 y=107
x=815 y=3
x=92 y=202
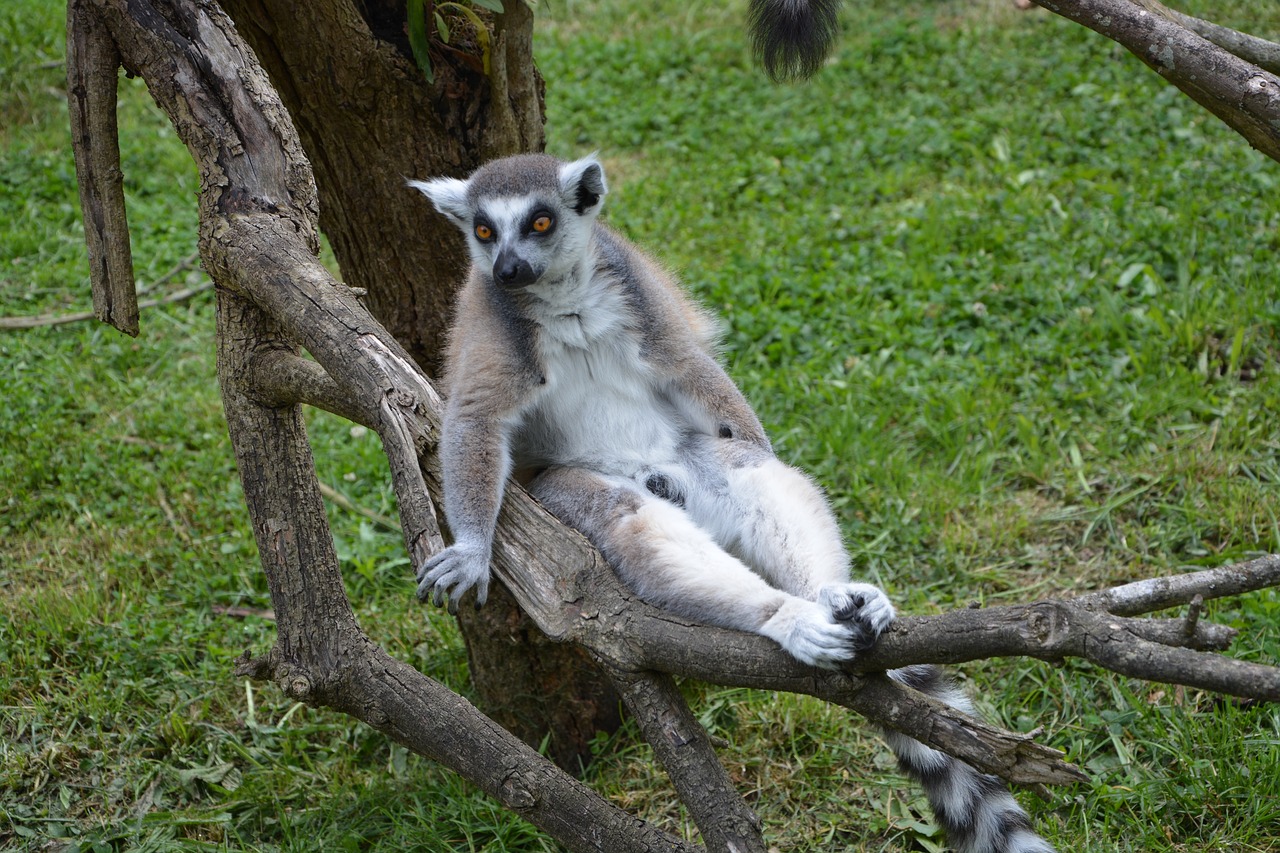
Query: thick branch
x=1009 y=755
x=1240 y=93
x=371 y=375
x=423 y=715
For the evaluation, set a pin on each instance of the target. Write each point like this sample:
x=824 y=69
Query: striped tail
x=976 y=810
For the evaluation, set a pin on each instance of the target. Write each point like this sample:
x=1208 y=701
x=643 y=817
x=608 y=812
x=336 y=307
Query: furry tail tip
x=792 y=38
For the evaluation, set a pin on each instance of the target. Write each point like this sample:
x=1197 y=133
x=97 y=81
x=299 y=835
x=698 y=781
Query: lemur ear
x=449 y=195
x=582 y=184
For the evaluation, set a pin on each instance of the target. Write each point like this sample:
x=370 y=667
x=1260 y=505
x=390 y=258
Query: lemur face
x=527 y=219
x=520 y=239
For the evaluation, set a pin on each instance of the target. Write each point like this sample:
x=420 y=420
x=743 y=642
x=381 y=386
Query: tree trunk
x=368 y=120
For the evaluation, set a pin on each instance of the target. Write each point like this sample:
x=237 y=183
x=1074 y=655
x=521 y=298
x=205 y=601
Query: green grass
x=1010 y=298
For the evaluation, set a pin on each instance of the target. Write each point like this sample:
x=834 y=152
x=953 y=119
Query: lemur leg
x=778 y=522
x=662 y=554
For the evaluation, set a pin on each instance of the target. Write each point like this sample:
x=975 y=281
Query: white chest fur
x=601 y=407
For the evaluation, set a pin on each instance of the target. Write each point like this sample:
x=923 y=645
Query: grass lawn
x=1010 y=298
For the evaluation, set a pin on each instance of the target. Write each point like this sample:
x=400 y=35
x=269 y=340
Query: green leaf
x=491 y=5
x=443 y=29
x=418 y=37
x=482 y=32
x=212 y=774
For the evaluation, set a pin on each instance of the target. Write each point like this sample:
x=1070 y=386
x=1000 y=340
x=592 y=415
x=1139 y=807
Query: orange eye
x=483 y=232
x=542 y=224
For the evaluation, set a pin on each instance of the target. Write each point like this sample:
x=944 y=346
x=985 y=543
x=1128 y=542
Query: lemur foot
x=454 y=571
x=864 y=609
x=809 y=632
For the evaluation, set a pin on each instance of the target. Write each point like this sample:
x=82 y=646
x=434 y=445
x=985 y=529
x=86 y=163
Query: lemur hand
x=453 y=571
x=807 y=631
x=846 y=619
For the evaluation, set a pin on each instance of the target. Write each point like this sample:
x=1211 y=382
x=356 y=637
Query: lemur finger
x=431 y=562
x=425 y=586
x=438 y=592
x=437 y=584
x=861 y=638
x=461 y=588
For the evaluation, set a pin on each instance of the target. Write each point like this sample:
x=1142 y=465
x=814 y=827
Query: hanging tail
x=792 y=37
x=976 y=810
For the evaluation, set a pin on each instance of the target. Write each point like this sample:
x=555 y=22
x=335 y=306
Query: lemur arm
x=489 y=386
x=475 y=461
x=709 y=395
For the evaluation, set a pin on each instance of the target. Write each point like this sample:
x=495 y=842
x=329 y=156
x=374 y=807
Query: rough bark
x=684 y=748
x=92 y=63
x=1262 y=53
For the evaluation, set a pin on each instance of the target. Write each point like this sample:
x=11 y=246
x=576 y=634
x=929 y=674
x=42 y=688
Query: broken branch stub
x=92 y=64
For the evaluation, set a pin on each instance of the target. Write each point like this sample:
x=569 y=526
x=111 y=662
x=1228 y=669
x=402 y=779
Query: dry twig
x=80 y=316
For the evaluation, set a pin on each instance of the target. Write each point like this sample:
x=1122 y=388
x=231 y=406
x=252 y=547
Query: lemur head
x=527 y=218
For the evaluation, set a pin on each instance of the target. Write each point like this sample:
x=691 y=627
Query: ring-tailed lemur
x=576 y=360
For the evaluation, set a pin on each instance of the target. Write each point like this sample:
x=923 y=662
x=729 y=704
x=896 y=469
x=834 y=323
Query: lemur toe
x=861 y=637
x=864 y=611
x=850 y=610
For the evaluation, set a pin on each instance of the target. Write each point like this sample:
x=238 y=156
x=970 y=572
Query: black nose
x=511 y=270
